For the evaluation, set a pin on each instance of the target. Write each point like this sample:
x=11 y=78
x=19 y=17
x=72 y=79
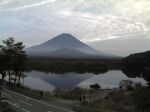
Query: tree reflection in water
x=138 y=72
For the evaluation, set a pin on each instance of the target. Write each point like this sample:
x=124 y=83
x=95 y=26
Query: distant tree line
x=63 y=66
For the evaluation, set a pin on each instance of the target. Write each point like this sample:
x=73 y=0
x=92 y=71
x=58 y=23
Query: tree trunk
x=143 y=110
x=15 y=79
x=19 y=80
x=9 y=75
x=2 y=86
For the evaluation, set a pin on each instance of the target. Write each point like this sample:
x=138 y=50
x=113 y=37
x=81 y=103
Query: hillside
x=137 y=60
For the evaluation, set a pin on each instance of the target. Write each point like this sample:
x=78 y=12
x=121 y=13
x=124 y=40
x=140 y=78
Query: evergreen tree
x=14 y=58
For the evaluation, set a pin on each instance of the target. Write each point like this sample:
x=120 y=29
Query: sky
x=91 y=21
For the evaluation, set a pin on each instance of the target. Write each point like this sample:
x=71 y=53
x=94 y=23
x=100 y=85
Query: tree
x=6 y=51
x=14 y=58
x=3 y=66
x=95 y=86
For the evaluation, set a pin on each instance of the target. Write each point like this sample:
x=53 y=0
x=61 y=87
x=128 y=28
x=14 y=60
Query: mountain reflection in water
x=51 y=81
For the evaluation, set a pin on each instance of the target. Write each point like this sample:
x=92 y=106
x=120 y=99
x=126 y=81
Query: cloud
x=121 y=36
x=99 y=39
x=88 y=20
x=34 y=4
x=105 y=26
x=4 y=2
x=16 y=5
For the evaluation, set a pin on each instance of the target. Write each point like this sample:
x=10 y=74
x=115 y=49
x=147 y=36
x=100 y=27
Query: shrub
x=141 y=99
x=95 y=86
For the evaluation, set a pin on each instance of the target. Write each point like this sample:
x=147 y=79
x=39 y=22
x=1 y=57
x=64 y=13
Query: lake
x=51 y=81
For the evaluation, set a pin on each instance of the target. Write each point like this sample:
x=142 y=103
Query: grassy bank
x=116 y=100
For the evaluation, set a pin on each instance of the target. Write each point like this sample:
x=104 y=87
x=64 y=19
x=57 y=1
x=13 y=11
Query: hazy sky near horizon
x=35 y=21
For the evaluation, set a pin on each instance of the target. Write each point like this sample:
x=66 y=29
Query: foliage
x=141 y=98
x=12 y=59
x=138 y=72
x=137 y=60
x=137 y=65
x=3 y=65
x=73 y=94
x=117 y=96
x=95 y=86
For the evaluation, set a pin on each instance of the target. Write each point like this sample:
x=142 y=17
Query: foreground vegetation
x=116 y=100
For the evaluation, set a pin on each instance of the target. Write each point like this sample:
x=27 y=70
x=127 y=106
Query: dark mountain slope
x=137 y=60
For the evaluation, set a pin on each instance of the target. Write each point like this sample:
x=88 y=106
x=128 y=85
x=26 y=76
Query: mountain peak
x=64 y=36
x=62 y=39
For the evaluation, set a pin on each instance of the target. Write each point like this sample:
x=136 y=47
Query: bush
x=95 y=86
x=130 y=87
x=141 y=99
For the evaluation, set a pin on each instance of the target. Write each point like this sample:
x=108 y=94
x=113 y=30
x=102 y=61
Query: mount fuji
x=66 y=46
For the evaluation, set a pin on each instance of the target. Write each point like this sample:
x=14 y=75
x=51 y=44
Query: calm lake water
x=51 y=81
